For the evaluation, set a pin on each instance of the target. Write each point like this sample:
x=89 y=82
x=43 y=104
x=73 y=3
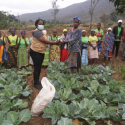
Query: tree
x=91 y=10
x=113 y=17
x=55 y=9
x=120 y=5
x=31 y=21
x=104 y=19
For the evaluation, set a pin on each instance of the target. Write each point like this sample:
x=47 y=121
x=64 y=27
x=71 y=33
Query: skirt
x=22 y=58
x=1 y=53
x=74 y=60
x=108 y=54
x=99 y=46
x=12 y=57
x=93 y=54
x=84 y=57
x=46 y=58
x=54 y=53
x=64 y=55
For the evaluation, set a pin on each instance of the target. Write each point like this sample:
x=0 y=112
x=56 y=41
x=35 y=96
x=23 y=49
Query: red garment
x=64 y=55
x=123 y=37
x=110 y=54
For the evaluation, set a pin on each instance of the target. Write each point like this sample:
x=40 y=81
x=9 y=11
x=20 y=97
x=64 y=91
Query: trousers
x=116 y=46
x=37 y=61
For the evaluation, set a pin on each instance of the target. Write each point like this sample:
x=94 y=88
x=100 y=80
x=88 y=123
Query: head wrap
x=65 y=30
x=76 y=18
x=12 y=29
x=23 y=31
x=109 y=29
x=92 y=30
x=83 y=30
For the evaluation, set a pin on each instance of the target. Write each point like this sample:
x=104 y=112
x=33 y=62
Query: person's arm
x=18 y=43
x=43 y=40
x=37 y=34
x=122 y=32
x=102 y=35
x=90 y=44
x=3 y=41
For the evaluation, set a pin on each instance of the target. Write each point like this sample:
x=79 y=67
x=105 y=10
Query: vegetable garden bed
x=91 y=96
x=12 y=88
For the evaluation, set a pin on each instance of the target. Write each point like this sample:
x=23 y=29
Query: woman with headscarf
x=12 y=50
x=74 y=48
x=54 y=49
x=22 y=57
x=108 y=45
x=93 y=51
x=64 y=48
x=37 y=50
x=2 y=50
x=84 y=40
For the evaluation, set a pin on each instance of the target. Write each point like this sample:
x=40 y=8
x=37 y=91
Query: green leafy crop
x=88 y=96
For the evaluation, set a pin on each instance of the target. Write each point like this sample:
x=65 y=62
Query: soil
x=41 y=121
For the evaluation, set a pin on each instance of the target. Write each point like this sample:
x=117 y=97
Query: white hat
x=83 y=30
x=119 y=21
x=109 y=29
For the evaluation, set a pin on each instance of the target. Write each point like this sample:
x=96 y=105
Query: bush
x=85 y=25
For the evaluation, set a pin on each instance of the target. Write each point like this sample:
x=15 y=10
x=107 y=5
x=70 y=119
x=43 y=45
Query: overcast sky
x=28 y=6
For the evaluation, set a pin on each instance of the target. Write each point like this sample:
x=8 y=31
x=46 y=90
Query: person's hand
x=57 y=42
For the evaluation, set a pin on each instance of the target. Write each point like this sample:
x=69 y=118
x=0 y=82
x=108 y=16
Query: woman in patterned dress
x=22 y=58
x=108 y=45
x=84 y=40
x=2 y=50
x=12 y=50
x=74 y=48
x=54 y=49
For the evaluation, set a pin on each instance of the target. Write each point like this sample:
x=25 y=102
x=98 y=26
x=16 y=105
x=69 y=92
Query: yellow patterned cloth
x=54 y=53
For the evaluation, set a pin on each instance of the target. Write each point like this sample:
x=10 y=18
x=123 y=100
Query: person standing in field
x=2 y=50
x=84 y=40
x=118 y=32
x=22 y=57
x=93 y=50
x=46 y=57
x=108 y=45
x=74 y=48
x=64 y=47
x=37 y=50
x=54 y=49
x=123 y=54
x=99 y=33
x=12 y=50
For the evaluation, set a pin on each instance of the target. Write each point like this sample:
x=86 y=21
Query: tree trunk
x=91 y=13
x=55 y=19
x=91 y=21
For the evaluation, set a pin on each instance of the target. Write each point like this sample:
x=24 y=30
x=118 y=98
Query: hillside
x=79 y=9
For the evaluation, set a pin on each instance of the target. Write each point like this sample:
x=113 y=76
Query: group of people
x=74 y=45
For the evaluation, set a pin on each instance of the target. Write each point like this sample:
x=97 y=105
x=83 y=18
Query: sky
x=18 y=7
